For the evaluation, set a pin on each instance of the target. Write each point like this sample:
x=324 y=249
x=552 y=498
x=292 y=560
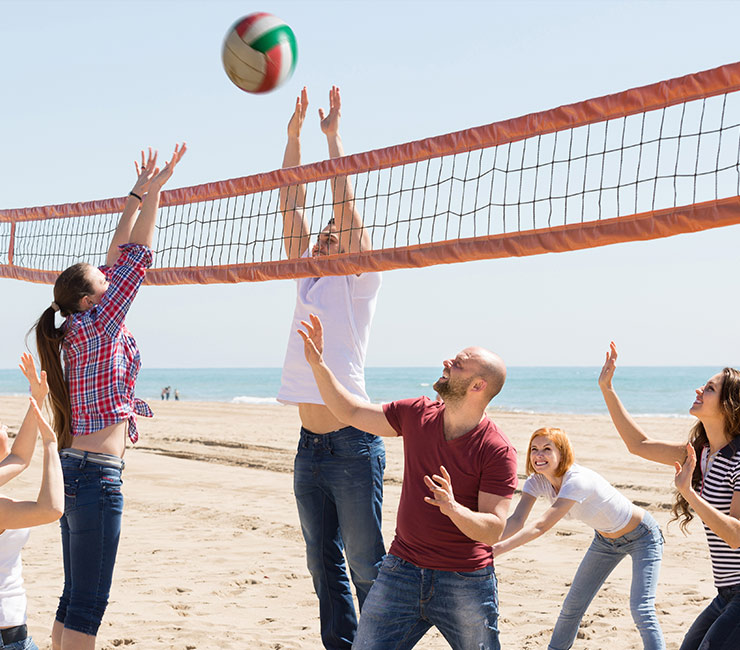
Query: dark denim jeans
x=91 y=527
x=338 y=484
x=718 y=626
x=406 y=601
x=26 y=644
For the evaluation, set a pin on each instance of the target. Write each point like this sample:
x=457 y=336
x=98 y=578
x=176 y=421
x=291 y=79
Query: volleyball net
x=650 y=162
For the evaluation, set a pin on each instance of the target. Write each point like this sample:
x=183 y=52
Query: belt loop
x=83 y=462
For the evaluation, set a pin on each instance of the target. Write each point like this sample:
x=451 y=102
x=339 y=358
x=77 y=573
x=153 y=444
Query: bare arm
x=128 y=217
x=296 y=235
x=484 y=525
x=725 y=526
x=515 y=523
x=343 y=405
x=49 y=504
x=24 y=444
x=353 y=237
x=142 y=231
x=539 y=527
x=634 y=438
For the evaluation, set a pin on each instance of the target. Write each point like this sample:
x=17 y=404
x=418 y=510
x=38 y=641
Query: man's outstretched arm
x=353 y=236
x=296 y=235
x=345 y=406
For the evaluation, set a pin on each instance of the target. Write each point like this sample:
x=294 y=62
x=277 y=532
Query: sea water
x=663 y=391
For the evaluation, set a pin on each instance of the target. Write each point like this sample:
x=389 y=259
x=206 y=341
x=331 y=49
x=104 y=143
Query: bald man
x=459 y=478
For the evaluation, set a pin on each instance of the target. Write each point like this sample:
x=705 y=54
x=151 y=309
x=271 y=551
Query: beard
x=452 y=391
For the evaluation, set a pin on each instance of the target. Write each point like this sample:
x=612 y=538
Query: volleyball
x=259 y=52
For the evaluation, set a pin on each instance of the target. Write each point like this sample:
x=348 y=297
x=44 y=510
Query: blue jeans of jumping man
x=91 y=528
x=406 y=601
x=338 y=485
x=645 y=545
x=718 y=626
x=17 y=638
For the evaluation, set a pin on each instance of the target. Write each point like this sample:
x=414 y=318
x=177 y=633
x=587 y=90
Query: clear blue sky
x=87 y=84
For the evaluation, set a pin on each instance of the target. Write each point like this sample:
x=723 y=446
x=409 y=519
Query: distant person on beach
x=458 y=481
x=17 y=517
x=164 y=392
x=338 y=478
x=620 y=529
x=708 y=482
x=177 y=395
x=93 y=402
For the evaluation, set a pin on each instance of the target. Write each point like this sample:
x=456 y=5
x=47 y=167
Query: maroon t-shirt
x=482 y=460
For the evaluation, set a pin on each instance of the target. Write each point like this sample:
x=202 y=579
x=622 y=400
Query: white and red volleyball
x=259 y=52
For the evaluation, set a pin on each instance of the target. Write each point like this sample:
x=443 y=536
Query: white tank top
x=12 y=593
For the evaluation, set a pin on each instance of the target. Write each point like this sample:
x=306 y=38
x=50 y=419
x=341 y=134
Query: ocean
x=660 y=391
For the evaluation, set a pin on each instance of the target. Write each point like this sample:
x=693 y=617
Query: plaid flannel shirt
x=101 y=358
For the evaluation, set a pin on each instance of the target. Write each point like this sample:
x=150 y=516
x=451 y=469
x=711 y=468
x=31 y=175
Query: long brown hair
x=70 y=287
x=729 y=403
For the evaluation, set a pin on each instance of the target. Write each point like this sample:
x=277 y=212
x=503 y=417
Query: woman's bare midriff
x=317 y=418
x=111 y=440
x=634 y=522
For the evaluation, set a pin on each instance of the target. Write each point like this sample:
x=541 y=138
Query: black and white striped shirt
x=718 y=487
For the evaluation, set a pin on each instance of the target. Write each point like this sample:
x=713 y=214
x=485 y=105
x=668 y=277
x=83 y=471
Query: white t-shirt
x=346 y=305
x=598 y=503
x=12 y=593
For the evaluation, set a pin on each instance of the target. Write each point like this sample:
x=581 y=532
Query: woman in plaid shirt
x=93 y=403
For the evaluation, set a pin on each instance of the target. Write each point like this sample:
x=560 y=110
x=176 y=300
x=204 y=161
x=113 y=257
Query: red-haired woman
x=93 y=402
x=620 y=529
x=711 y=487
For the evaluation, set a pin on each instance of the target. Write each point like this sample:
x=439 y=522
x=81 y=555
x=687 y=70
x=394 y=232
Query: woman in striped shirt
x=93 y=402
x=708 y=481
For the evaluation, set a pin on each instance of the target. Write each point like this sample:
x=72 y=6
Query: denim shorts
x=91 y=528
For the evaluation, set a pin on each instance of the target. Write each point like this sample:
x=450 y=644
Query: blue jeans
x=718 y=626
x=338 y=485
x=26 y=644
x=645 y=545
x=91 y=527
x=406 y=601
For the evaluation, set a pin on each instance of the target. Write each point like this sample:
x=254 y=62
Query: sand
x=212 y=555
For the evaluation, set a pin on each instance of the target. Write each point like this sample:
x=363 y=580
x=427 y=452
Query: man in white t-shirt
x=338 y=477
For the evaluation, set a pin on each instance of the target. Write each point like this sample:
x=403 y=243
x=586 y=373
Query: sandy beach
x=212 y=554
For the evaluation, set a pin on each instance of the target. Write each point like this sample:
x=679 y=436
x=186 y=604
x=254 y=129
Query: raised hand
x=39 y=385
x=330 y=122
x=47 y=433
x=610 y=365
x=299 y=115
x=313 y=340
x=685 y=472
x=159 y=178
x=145 y=171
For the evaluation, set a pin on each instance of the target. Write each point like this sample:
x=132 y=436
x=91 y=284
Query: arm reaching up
x=353 y=237
x=633 y=436
x=345 y=406
x=49 y=504
x=296 y=236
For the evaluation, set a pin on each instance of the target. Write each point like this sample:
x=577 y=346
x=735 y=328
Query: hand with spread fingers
x=330 y=122
x=440 y=486
x=159 y=178
x=38 y=384
x=313 y=340
x=144 y=172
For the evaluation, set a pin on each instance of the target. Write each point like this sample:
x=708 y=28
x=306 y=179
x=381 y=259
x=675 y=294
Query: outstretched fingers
x=38 y=383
